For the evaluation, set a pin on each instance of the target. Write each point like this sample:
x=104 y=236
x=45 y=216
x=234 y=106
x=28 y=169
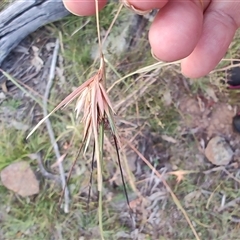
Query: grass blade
x=121 y=171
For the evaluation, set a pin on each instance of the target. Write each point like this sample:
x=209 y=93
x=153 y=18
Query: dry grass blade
x=19 y=85
x=64 y=103
x=146 y=69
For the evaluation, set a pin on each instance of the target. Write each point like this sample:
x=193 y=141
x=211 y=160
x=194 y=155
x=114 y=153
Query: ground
x=161 y=116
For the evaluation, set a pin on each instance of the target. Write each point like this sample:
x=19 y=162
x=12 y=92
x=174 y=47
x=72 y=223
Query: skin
x=198 y=32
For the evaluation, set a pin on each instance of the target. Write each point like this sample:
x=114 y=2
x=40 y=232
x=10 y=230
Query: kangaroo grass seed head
x=93 y=105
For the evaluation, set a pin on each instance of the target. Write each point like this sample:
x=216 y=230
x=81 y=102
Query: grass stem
x=100 y=168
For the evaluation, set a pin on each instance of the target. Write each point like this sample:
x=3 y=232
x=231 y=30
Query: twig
x=215 y=169
x=49 y=127
x=232 y=203
x=231 y=175
x=223 y=168
x=44 y=172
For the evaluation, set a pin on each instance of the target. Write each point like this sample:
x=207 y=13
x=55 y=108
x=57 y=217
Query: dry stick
x=222 y=168
x=231 y=175
x=70 y=173
x=232 y=203
x=43 y=171
x=49 y=127
x=176 y=201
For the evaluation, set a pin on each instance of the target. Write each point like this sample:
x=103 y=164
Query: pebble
x=218 y=151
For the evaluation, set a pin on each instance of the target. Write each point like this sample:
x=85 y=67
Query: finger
x=148 y=4
x=83 y=7
x=219 y=27
x=176 y=30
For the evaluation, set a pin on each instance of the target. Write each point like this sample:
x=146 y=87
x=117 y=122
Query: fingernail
x=65 y=5
x=154 y=56
x=137 y=11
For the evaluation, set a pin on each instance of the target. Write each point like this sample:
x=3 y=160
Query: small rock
x=218 y=151
x=20 y=178
x=19 y=125
x=2 y=96
x=167 y=98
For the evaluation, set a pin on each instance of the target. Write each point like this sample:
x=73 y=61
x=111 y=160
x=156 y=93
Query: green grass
x=13 y=146
x=12 y=104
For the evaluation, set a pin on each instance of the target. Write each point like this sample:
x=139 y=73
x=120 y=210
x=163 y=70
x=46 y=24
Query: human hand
x=197 y=31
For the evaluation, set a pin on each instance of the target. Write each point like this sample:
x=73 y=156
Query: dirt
x=208 y=117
